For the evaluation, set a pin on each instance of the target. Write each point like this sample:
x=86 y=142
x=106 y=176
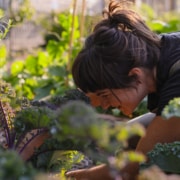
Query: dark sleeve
x=169 y=91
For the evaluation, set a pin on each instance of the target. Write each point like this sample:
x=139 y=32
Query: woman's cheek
x=95 y=103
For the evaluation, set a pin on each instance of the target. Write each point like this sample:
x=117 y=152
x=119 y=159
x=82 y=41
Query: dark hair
x=117 y=44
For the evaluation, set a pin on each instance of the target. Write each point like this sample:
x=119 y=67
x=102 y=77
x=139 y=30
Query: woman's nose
x=95 y=102
x=105 y=105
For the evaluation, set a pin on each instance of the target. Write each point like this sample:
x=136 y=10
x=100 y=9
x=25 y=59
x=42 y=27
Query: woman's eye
x=104 y=96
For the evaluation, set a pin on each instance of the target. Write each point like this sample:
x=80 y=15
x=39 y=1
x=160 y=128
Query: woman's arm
x=160 y=130
x=100 y=172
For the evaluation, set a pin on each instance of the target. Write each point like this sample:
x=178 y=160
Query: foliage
x=9 y=107
x=24 y=11
x=13 y=167
x=47 y=73
x=3 y=56
x=165 y=156
x=36 y=118
x=71 y=94
x=172 y=109
x=77 y=128
x=168 y=22
x=162 y=23
x=48 y=137
x=5 y=25
x=57 y=101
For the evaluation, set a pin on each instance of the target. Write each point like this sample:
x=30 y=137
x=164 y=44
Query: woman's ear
x=138 y=73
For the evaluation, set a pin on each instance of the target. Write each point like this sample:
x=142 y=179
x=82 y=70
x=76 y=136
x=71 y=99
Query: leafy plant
x=162 y=23
x=8 y=110
x=172 y=109
x=47 y=72
x=165 y=156
x=46 y=136
x=79 y=123
x=13 y=167
x=24 y=11
x=5 y=25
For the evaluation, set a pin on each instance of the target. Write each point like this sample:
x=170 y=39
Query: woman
x=123 y=61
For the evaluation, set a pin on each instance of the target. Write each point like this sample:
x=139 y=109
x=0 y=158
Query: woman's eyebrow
x=101 y=93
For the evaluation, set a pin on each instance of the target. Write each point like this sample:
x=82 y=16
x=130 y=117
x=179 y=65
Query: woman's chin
x=127 y=112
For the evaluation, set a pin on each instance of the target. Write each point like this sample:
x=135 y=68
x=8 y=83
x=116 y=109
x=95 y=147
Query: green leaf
x=172 y=109
x=44 y=91
x=33 y=118
x=3 y=54
x=54 y=49
x=157 y=25
x=165 y=156
x=17 y=67
x=57 y=71
x=43 y=59
x=13 y=167
x=31 y=82
x=31 y=65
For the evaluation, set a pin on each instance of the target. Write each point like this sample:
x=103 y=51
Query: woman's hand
x=100 y=172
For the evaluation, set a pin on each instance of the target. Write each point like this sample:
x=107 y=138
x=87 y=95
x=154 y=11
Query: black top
x=168 y=86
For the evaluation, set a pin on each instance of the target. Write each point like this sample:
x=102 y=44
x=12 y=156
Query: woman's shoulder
x=170 y=50
x=170 y=35
x=169 y=40
x=167 y=84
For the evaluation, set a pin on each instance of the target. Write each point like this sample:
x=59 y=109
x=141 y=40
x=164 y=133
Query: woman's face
x=124 y=99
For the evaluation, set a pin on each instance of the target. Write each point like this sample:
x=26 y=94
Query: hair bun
x=115 y=6
x=119 y=15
